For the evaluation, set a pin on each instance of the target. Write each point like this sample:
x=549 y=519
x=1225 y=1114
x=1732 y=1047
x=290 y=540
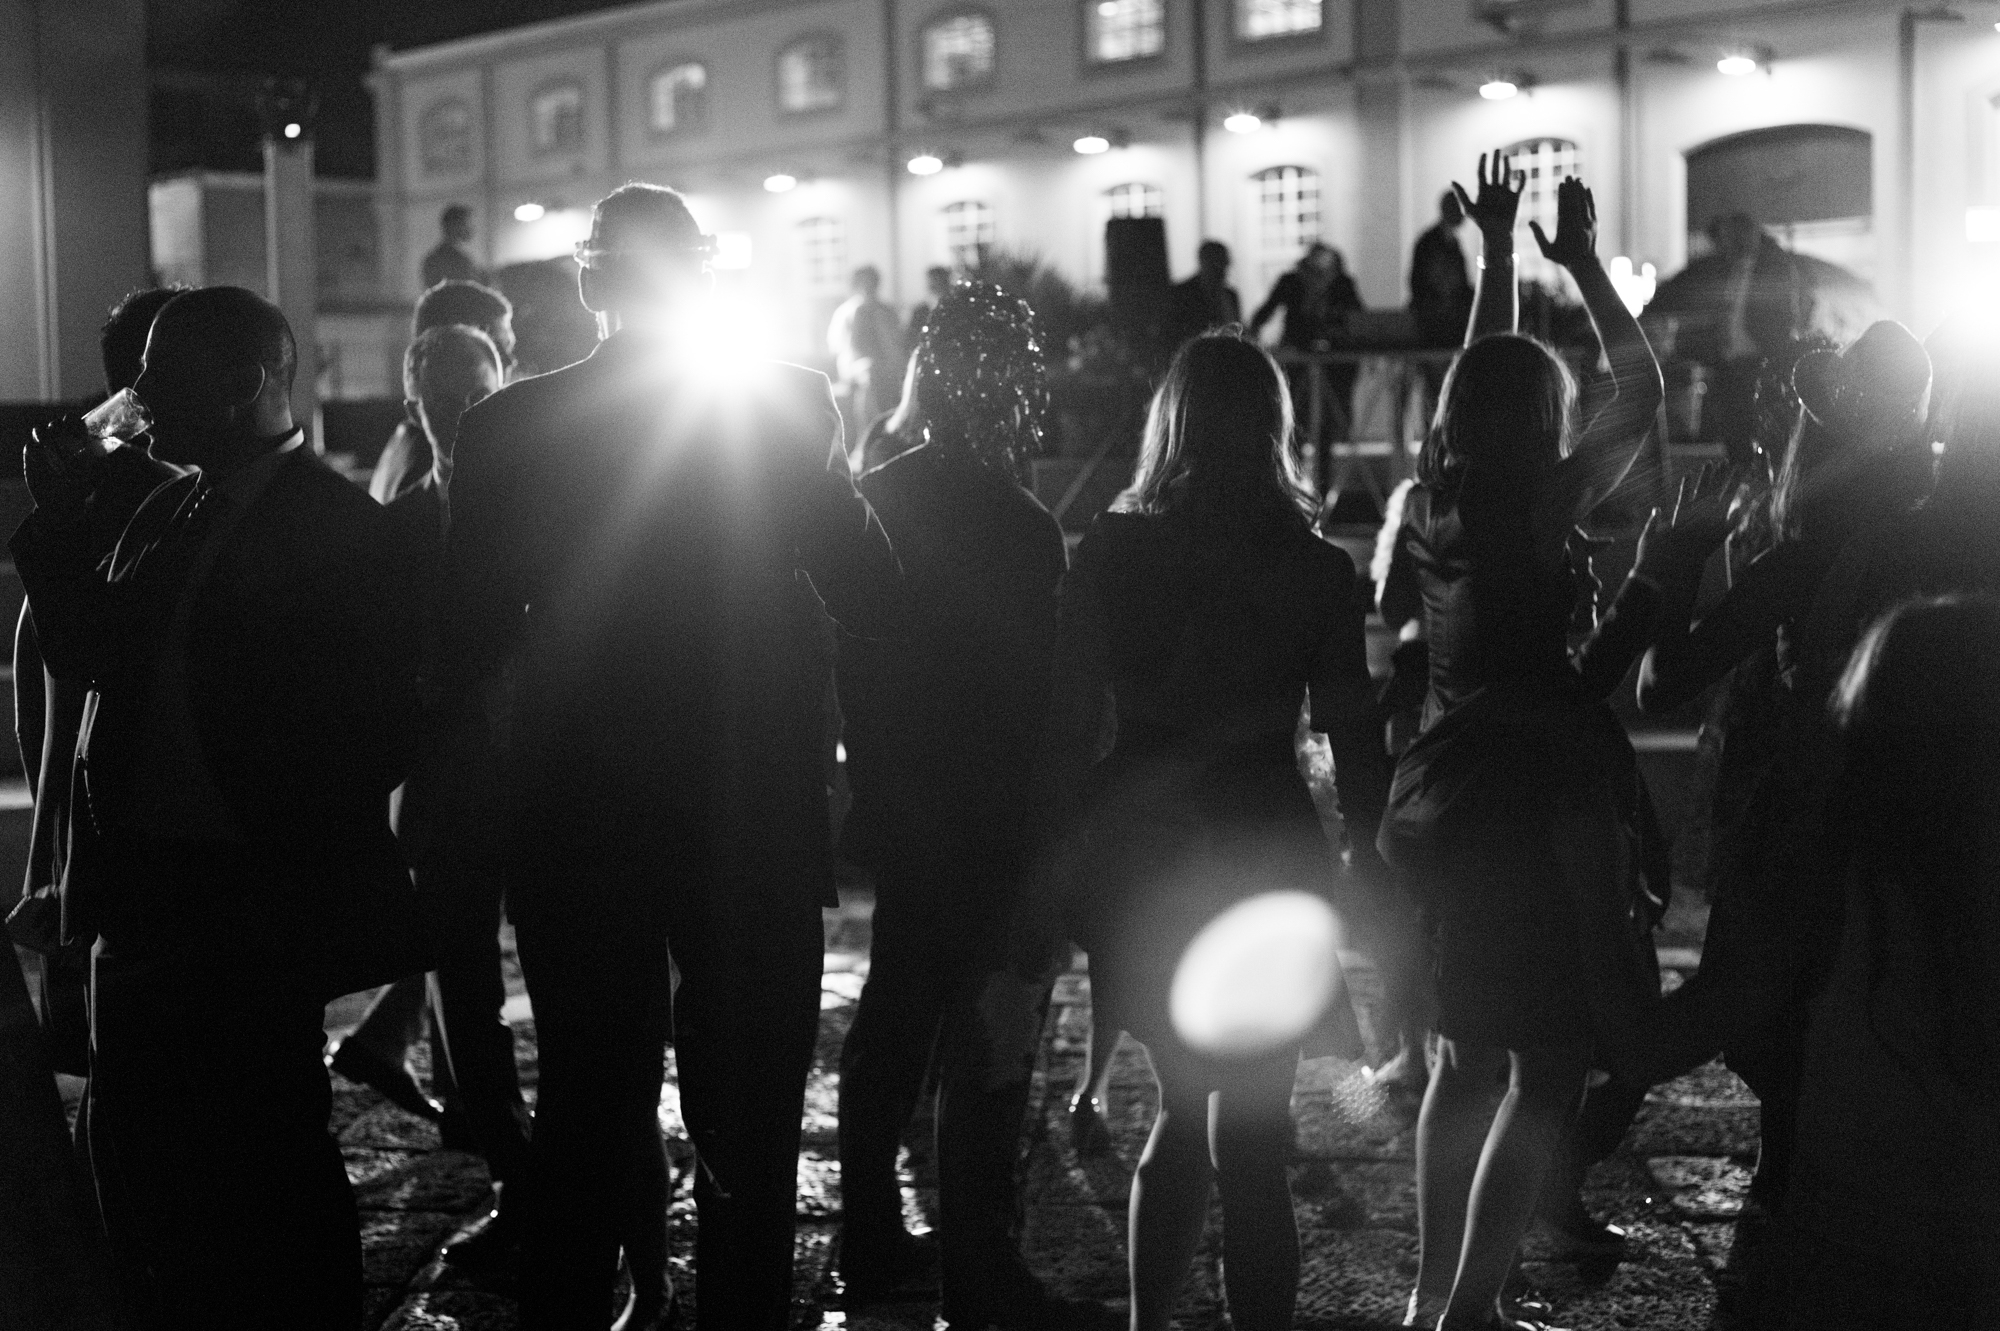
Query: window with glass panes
x=823 y=254
x=678 y=98
x=1135 y=200
x=812 y=74
x=555 y=118
x=1125 y=29
x=1257 y=20
x=1544 y=163
x=1286 y=200
x=958 y=52
x=968 y=230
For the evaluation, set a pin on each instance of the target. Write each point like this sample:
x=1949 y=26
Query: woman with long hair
x=1895 y=1192
x=1515 y=814
x=1203 y=611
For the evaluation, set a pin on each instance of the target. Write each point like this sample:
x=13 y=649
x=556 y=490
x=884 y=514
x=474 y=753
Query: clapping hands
x=1499 y=198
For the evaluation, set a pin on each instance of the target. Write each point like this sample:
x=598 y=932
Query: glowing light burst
x=530 y=212
x=1091 y=144
x=1736 y=66
x=1634 y=288
x=926 y=164
x=1498 y=90
x=1242 y=122
x=293 y=130
x=1258 y=976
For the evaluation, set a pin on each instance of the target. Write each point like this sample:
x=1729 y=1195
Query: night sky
x=208 y=57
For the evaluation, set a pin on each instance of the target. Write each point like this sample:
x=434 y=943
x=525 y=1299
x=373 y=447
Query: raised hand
x=1499 y=197
x=1699 y=522
x=1576 y=226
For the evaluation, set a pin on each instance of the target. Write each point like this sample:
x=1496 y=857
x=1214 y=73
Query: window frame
x=660 y=71
x=432 y=109
x=1268 y=268
x=836 y=280
x=1110 y=208
x=1538 y=203
x=985 y=82
x=988 y=222
x=1276 y=41
x=560 y=83
x=827 y=39
x=1086 y=14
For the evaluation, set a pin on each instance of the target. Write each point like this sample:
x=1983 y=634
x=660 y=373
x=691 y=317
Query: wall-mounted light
x=1743 y=61
x=1498 y=90
x=1092 y=144
x=781 y=183
x=925 y=164
x=529 y=212
x=1242 y=122
x=293 y=130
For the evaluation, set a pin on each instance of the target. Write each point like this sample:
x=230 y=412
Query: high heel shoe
x=1087 y=1128
x=365 y=1066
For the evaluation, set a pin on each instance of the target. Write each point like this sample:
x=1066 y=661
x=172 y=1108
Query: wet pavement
x=1676 y=1184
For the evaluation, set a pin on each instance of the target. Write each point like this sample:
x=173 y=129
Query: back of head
x=1218 y=439
x=1503 y=420
x=982 y=378
x=458 y=302
x=229 y=328
x=122 y=341
x=644 y=244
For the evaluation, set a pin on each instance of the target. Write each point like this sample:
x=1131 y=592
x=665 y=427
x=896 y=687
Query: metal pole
x=1199 y=39
x=891 y=122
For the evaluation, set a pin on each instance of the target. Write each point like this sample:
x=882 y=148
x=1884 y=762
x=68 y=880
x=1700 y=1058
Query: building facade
x=817 y=135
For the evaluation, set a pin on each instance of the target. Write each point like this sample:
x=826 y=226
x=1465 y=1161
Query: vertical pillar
x=1380 y=107
x=73 y=219
x=291 y=273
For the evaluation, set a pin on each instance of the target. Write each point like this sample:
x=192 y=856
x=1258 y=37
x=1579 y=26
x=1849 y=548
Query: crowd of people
x=583 y=652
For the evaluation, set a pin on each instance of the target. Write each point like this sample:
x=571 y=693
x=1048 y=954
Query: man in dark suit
x=252 y=658
x=643 y=550
x=450 y=260
x=1440 y=291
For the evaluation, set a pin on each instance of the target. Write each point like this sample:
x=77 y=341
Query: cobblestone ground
x=1676 y=1184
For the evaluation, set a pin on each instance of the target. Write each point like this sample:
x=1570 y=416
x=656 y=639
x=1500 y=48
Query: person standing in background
x=1440 y=291
x=1205 y=300
x=937 y=285
x=450 y=260
x=867 y=356
x=406 y=460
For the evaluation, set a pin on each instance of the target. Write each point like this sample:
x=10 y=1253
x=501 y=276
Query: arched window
x=1135 y=200
x=1288 y=219
x=1260 y=20
x=812 y=74
x=1125 y=29
x=968 y=231
x=677 y=98
x=555 y=118
x=823 y=254
x=444 y=137
x=1544 y=162
x=958 y=52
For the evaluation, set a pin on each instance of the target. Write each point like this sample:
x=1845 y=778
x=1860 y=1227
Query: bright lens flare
x=530 y=212
x=1091 y=144
x=781 y=183
x=1497 y=90
x=1635 y=288
x=1242 y=122
x=1258 y=976
x=925 y=164
x=1736 y=66
x=293 y=130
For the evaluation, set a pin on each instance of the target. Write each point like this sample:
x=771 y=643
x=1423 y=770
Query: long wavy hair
x=982 y=379
x=1219 y=439
x=1504 y=418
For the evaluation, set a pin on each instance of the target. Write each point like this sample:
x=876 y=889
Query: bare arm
x=1610 y=440
x=1497 y=306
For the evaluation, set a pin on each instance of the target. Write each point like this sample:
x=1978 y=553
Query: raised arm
x=1610 y=440
x=1497 y=308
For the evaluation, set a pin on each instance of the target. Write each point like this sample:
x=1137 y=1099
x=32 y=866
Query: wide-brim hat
x=1882 y=376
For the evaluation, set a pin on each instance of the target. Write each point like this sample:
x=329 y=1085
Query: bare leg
x=1251 y=1136
x=1170 y=1193
x=1451 y=1133
x=1541 y=1098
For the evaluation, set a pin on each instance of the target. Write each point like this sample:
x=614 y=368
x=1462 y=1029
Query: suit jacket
x=641 y=561
x=301 y=644
x=1193 y=309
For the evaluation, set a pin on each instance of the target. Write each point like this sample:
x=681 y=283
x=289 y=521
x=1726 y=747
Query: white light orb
x=1498 y=90
x=1258 y=976
x=1242 y=122
x=925 y=164
x=781 y=183
x=1092 y=144
x=1736 y=66
x=529 y=212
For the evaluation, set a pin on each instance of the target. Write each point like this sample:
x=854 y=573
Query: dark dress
x=1210 y=636
x=1516 y=815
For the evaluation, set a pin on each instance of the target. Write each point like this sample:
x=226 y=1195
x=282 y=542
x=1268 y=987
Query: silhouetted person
x=642 y=549
x=1440 y=291
x=943 y=726
x=867 y=354
x=406 y=459
x=48 y=713
x=1205 y=300
x=937 y=285
x=252 y=653
x=450 y=260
